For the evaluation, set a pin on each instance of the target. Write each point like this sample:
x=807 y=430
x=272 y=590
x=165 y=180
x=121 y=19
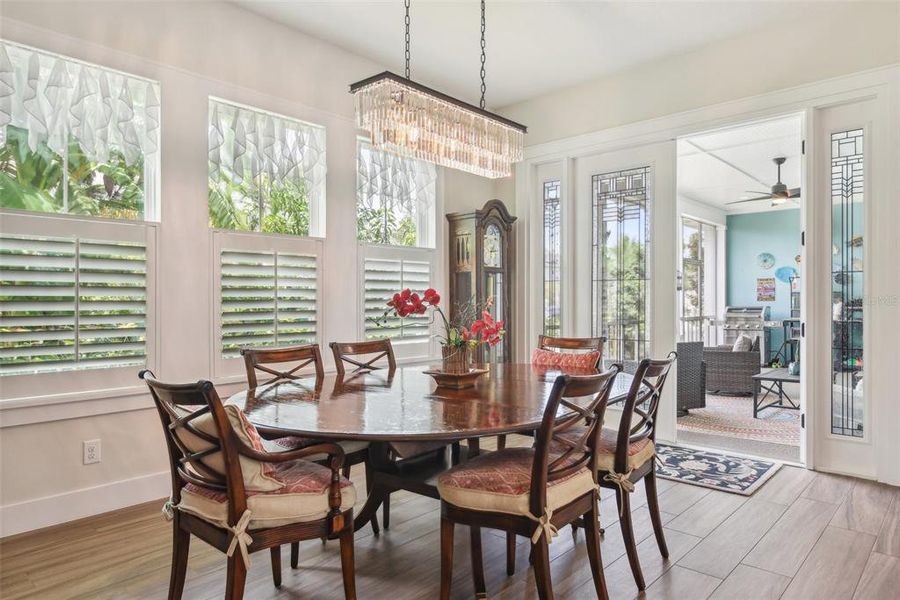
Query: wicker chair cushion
x=258 y=476
x=549 y=358
x=501 y=482
x=303 y=496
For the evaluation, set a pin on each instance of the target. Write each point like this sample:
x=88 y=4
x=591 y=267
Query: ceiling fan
x=780 y=193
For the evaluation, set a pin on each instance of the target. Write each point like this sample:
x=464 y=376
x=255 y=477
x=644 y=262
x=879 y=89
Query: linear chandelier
x=410 y=119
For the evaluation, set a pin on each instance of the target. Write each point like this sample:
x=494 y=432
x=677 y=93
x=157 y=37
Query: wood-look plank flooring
x=804 y=535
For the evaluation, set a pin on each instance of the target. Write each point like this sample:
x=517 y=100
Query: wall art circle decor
x=765 y=260
x=784 y=274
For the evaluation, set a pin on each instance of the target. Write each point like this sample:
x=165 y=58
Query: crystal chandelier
x=411 y=119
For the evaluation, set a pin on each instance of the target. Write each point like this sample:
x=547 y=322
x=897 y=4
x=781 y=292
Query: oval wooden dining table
x=404 y=413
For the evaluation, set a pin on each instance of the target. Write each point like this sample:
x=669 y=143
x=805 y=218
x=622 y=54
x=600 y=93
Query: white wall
x=194 y=49
x=787 y=54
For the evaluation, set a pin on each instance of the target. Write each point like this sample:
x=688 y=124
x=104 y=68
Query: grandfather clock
x=482 y=261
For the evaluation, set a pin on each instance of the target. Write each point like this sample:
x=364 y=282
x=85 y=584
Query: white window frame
x=317 y=205
x=78 y=381
x=152 y=203
x=427 y=236
x=226 y=370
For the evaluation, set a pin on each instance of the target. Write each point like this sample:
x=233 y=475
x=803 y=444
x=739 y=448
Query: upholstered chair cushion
x=639 y=452
x=501 y=482
x=258 y=476
x=303 y=496
x=549 y=358
x=293 y=442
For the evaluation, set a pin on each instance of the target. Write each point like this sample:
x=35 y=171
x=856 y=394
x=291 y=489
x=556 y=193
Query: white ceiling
x=534 y=47
x=719 y=167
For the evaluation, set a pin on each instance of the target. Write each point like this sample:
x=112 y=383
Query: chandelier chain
x=483 y=57
x=406 y=23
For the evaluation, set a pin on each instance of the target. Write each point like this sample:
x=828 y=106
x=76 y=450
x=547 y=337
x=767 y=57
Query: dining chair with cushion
x=568 y=352
x=532 y=492
x=571 y=353
x=231 y=493
x=626 y=456
x=286 y=364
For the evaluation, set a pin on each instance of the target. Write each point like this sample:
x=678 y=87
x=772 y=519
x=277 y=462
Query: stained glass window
x=552 y=263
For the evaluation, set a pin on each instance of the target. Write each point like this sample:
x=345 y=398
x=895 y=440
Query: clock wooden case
x=482 y=266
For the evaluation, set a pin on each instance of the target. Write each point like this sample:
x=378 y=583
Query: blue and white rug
x=735 y=474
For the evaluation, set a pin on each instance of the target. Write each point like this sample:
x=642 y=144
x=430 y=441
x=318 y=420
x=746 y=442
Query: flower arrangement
x=459 y=336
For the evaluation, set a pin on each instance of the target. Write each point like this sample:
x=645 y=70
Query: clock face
x=492 y=256
x=765 y=261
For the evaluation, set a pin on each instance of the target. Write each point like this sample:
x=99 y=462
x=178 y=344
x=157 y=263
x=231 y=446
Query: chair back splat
x=179 y=406
x=260 y=359
x=639 y=411
x=371 y=352
x=573 y=438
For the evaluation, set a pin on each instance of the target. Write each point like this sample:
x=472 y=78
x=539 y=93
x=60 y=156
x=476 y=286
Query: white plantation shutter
x=382 y=277
x=71 y=303
x=268 y=298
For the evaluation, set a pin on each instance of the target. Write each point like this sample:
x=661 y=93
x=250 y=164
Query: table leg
x=378 y=456
x=755 y=398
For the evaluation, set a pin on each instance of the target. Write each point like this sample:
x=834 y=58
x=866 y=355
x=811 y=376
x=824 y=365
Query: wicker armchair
x=730 y=372
x=691 y=376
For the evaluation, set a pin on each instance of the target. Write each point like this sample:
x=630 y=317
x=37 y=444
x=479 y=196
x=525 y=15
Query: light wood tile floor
x=804 y=535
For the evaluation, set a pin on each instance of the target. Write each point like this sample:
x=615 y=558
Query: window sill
x=30 y=410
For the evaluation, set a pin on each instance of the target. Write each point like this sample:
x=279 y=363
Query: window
x=552 y=264
x=267 y=295
x=395 y=199
x=847 y=282
x=698 y=276
x=76 y=138
x=620 y=275
x=383 y=275
x=71 y=300
x=266 y=172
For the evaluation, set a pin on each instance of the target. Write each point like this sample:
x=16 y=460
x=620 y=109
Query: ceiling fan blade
x=794 y=193
x=761 y=193
x=749 y=200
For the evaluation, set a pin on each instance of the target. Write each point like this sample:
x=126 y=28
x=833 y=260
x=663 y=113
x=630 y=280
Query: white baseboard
x=86 y=502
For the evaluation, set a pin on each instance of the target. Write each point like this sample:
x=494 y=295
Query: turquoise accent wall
x=776 y=232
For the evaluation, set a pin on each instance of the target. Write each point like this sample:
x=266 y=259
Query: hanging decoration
x=413 y=120
x=57 y=99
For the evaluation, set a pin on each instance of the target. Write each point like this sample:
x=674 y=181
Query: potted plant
x=460 y=336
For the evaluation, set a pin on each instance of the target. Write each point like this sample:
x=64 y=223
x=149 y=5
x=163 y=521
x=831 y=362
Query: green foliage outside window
x=43 y=181
x=270 y=207
x=380 y=225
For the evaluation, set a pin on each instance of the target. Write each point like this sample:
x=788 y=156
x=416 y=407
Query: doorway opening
x=738 y=288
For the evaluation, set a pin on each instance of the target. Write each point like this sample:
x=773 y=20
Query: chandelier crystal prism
x=410 y=119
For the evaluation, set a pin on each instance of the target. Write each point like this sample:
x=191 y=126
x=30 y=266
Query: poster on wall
x=765 y=289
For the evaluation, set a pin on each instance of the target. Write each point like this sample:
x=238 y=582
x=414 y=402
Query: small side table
x=775 y=378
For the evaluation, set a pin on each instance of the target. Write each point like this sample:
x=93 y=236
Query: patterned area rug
x=733 y=416
x=734 y=474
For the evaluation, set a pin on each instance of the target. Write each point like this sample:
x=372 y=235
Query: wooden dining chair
x=626 y=456
x=372 y=352
x=532 y=492
x=564 y=352
x=263 y=359
x=286 y=364
x=571 y=349
x=232 y=494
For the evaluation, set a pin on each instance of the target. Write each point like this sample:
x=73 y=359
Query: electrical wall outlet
x=91 y=450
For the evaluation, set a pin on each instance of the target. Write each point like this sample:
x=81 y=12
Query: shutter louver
x=384 y=277
x=267 y=299
x=70 y=303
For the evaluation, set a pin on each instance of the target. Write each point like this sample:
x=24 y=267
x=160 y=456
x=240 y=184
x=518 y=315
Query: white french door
x=625 y=226
x=843 y=250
